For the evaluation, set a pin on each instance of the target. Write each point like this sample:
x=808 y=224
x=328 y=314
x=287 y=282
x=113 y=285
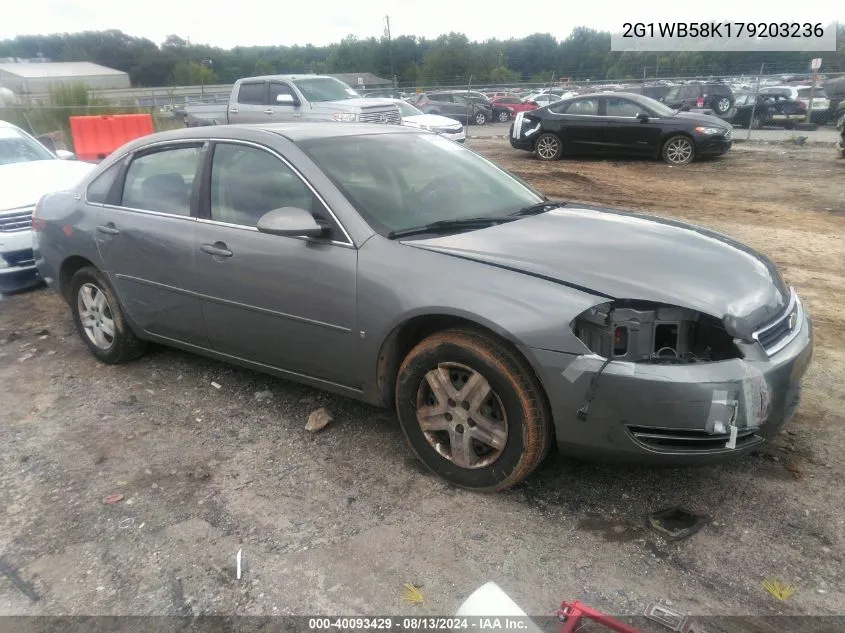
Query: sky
x=277 y=22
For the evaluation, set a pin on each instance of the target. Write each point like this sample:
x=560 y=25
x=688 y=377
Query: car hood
x=621 y=255
x=431 y=120
x=23 y=184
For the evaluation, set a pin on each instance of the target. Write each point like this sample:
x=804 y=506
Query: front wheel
x=678 y=150
x=840 y=121
x=504 y=116
x=472 y=410
x=548 y=146
x=99 y=319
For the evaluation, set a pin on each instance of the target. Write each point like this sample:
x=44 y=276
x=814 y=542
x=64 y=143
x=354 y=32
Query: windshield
x=401 y=181
x=17 y=147
x=406 y=109
x=324 y=89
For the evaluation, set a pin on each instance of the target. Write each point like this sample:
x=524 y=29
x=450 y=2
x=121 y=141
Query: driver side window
x=247 y=182
x=622 y=107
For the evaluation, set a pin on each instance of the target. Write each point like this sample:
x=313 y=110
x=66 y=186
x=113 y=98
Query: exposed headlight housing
x=710 y=131
x=345 y=116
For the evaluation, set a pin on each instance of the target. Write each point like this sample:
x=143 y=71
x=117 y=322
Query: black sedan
x=619 y=123
x=768 y=110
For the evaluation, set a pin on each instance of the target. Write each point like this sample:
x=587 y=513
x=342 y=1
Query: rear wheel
x=480 y=118
x=840 y=120
x=722 y=105
x=472 y=410
x=100 y=320
x=548 y=146
x=678 y=150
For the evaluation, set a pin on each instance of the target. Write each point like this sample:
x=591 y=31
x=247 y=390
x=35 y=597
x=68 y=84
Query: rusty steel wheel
x=472 y=410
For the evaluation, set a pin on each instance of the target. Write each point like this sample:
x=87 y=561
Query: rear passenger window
x=584 y=107
x=162 y=181
x=253 y=94
x=99 y=188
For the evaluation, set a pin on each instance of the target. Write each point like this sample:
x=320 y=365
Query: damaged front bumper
x=670 y=413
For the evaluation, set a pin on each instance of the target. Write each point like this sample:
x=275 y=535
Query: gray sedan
x=402 y=269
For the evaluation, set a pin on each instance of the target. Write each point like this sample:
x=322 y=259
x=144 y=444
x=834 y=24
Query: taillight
x=700 y=102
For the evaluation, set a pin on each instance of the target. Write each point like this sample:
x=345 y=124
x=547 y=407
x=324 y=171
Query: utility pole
x=390 y=52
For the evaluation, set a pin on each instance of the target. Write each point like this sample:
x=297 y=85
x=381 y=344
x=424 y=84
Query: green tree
x=187 y=73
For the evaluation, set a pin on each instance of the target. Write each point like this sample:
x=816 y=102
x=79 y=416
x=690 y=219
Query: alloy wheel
x=723 y=105
x=679 y=151
x=95 y=316
x=547 y=147
x=461 y=416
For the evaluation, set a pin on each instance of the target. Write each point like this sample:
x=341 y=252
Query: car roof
x=294 y=131
x=288 y=77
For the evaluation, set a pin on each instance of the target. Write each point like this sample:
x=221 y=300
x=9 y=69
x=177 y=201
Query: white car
x=28 y=170
x=821 y=103
x=444 y=126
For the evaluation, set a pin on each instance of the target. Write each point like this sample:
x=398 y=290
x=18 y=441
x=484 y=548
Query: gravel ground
x=340 y=520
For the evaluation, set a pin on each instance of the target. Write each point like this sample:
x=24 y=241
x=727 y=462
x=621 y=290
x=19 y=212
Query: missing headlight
x=638 y=331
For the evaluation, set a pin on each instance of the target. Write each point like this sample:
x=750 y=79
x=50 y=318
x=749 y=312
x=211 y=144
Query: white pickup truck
x=293 y=98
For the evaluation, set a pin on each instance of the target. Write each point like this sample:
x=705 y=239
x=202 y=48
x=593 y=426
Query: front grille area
x=19 y=220
x=689 y=441
x=449 y=130
x=380 y=116
x=778 y=334
x=20 y=259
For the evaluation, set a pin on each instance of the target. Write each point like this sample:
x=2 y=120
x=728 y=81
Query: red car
x=514 y=104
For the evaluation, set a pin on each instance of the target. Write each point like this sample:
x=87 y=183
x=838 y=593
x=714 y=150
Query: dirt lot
x=337 y=522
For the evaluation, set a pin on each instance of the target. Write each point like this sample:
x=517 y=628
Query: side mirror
x=284 y=99
x=63 y=154
x=642 y=117
x=290 y=221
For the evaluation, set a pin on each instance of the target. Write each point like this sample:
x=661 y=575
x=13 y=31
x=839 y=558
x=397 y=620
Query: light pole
x=205 y=63
x=390 y=53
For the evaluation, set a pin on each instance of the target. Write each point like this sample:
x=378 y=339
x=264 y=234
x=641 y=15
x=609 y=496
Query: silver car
x=397 y=267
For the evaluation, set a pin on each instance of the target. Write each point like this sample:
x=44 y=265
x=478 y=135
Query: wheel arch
x=68 y=269
x=415 y=327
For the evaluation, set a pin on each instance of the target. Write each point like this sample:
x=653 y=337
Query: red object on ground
x=95 y=137
x=574 y=611
x=112 y=499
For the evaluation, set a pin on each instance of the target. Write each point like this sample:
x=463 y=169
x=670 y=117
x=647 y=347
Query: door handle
x=233 y=110
x=108 y=229
x=218 y=249
x=268 y=111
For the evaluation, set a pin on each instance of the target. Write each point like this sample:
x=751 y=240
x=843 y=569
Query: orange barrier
x=95 y=137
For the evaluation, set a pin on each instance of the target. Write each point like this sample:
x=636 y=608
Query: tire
x=789 y=125
x=548 y=146
x=504 y=116
x=115 y=343
x=479 y=118
x=517 y=423
x=840 y=121
x=678 y=150
x=722 y=106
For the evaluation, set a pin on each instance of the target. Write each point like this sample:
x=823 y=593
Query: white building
x=35 y=78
